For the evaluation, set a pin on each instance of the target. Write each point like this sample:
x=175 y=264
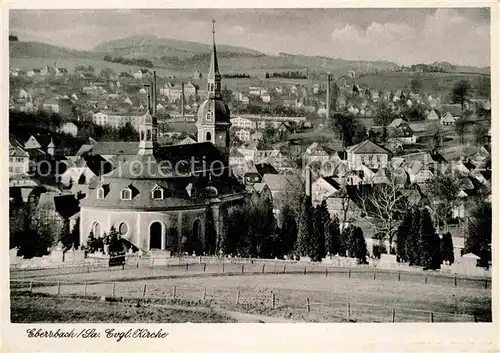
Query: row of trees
x=287 y=74
x=129 y=61
x=236 y=75
x=319 y=235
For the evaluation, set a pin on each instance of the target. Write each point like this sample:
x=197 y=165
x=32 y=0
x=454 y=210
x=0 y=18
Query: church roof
x=367 y=147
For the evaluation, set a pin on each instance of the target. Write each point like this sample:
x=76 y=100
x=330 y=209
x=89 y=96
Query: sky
x=405 y=36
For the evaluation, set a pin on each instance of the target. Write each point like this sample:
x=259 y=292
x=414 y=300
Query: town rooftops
x=367 y=147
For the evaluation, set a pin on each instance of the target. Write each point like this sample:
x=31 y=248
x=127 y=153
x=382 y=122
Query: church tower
x=213 y=115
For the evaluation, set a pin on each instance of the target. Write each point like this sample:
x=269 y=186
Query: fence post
x=399 y=276
x=173 y=292
x=426 y=278
x=137 y=264
x=204 y=267
x=455 y=281
x=238 y=296
x=348 y=311
x=144 y=291
x=223 y=267
x=393 y=315
x=31 y=287
x=85 y=290
x=308 y=305
x=114 y=285
x=305 y=269
x=242 y=268
x=350 y=272
x=123 y=266
x=274 y=267
x=284 y=268
x=263 y=266
x=374 y=274
x=486 y=283
x=58 y=288
x=204 y=293
x=273 y=300
x=187 y=266
x=88 y=268
x=431 y=316
x=326 y=272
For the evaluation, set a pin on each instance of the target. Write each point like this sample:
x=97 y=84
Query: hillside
x=42 y=50
x=175 y=57
x=155 y=47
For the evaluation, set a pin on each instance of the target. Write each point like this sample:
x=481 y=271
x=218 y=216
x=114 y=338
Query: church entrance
x=155 y=235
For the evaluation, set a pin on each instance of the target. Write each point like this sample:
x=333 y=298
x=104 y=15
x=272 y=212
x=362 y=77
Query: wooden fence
x=337 y=311
x=160 y=267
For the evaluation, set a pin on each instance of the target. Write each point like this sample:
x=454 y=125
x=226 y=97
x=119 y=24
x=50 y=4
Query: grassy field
x=49 y=309
x=370 y=300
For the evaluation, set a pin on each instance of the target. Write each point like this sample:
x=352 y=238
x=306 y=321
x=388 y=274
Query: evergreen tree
x=430 y=255
x=402 y=236
x=305 y=227
x=321 y=218
x=344 y=240
x=479 y=231
x=447 y=248
x=332 y=239
x=413 y=244
x=357 y=244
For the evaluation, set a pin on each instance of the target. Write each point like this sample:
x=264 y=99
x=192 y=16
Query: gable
x=32 y=143
x=368 y=147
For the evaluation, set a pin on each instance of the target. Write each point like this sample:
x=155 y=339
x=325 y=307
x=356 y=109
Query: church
x=170 y=197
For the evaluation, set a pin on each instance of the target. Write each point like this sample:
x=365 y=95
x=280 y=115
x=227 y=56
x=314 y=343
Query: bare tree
x=384 y=207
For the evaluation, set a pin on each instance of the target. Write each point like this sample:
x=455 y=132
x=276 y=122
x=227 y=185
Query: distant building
x=18 y=161
x=141 y=73
x=51 y=105
x=115 y=121
x=69 y=128
x=369 y=154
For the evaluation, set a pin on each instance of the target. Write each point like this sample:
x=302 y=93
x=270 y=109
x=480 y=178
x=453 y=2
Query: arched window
x=211 y=87
x=96 y=229
x=158 y=194
x=148 y=132
x=126 y=194
x=209 y=136
x=142 y=135
x=123 y=228
x=209 y=115
x=218 y=86
x=100 y=193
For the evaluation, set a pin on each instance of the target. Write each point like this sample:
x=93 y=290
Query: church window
x=209 y=115
x=142 y=135
x=209 y=136
x=126 y=194
x=123 y=228
x=148 y=135
x=218 y=86
x=100 y=193
x=157 y=194
x=211 y=87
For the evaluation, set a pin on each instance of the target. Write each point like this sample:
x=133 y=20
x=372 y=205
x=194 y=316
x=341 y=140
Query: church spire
x=213 y=78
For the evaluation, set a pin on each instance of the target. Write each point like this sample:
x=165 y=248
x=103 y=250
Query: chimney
x=182 y=99
x=149 y=97
x=327 y=97
x=308 y=182
x=154 y=93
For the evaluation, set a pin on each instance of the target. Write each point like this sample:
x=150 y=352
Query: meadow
x=315 y=297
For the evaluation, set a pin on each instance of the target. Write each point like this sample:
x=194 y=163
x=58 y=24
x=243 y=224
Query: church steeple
x=213 y=78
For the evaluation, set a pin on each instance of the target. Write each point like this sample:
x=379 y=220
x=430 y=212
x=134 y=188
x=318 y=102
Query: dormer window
x=157 y=193
x=100 y=193
x=126 y=194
